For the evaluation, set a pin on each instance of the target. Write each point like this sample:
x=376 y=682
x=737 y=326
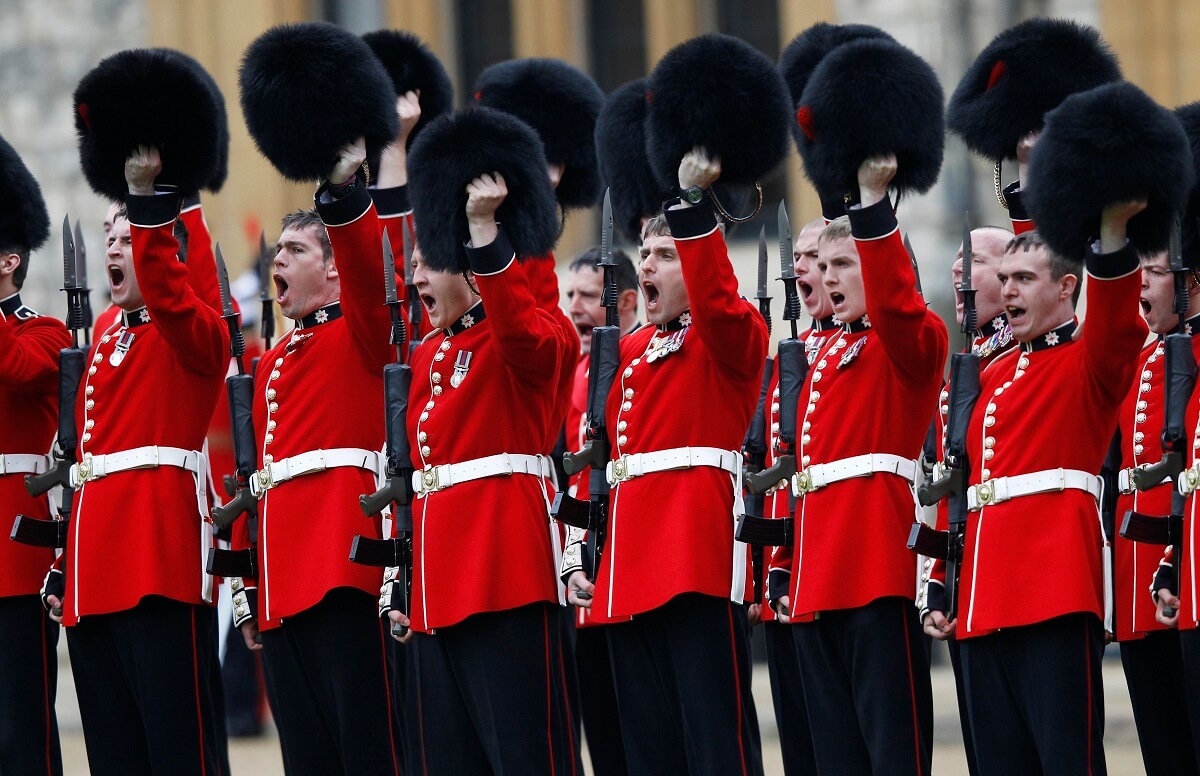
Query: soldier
x=1149 y=649
x=895 y=347
x=674 y=484
x=323 y=646
x=597 y=696
x=787 y=692
x=138 y=620
x=29 y=345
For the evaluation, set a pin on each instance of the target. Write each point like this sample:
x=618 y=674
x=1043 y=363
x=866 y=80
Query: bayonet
x=264 y=290
x=391 y=297
x=75 y=317
x=969 y=322
x=81 y=263
x=764 y=298
x=237 y=343
x=787 y=267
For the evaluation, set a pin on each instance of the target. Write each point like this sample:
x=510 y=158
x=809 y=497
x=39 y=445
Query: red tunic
x=484 y=545
x=321 y=388
x=1189 y=590
x=1040 y=556
x=543 y=281
x=139 y=532
x=29 y=346
x=872 y=390
x=702 y=394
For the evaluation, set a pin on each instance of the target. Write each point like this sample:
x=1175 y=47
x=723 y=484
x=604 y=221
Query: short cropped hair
x=626 y=274
x=1060 y=266
x=303 y=219
x=837 y=229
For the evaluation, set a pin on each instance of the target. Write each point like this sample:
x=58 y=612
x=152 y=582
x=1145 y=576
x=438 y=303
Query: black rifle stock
x=240 y=391
x=754 y=459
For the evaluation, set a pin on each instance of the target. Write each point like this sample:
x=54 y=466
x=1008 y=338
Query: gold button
x=435 y=377
x=628 y=371
x=989 y=421
x=1146 y=374
x=1007 y=383
x=806 y=427
x=1022 y=363
x=806 y=439
x=279 y=362
x=87 y=437
x=622 y=426
x=270 y=438
x=985 y=474
x=1141 y=418
x=424 y=416
x=1138 y=436
x=275 y=374
x=437 y=390
x=626 y=406
x=814 y=396
x=622 y=440
x=821 y=364
x=945 y=395
x=273 y=407
x=945 y=410
x=816 y=378
x=425 y=451
x=636 y=361
x=989 y=442
x=422 y=436
x=628 y=393
x=1144 y=387
x=775 y=394
x=97 y=358
x=775 y=406
x=90 y=424
x=89 y=404
x=804 y=460
x=998 y=391
x=270 y=425
x=91 y=389
x=1018 y=373
x=988 y=454
x=1137 y=449
x=92 y=371
x=1141 y=405
x=439 y=356
x=429 y=405
x=445 y=344
x=104 y=340
x=991 y=408
x=268 y=459
x=270 y=393
x=774 y=428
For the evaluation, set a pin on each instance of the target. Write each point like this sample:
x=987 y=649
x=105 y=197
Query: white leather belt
x=1125 y=480
x=435 y=478
x=1001 y=489
x=93 y=467
x=312 y=462
x=634 y=465
x=21 y=463
x=819 y=475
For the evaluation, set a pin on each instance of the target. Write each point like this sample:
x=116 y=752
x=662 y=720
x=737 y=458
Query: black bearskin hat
x=1025 y=72
x=154 y=97
x=308 y=89
x=621 y=147
x=413 y=67
x=866 y=98
x=454 y=150
x=24 y=221
x=561 y=103
x=1108 y=145
x=718 y=92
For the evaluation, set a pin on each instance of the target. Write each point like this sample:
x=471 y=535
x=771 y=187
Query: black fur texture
x=800 y=57
x=562 y=104
x=454 y=150
x=307 y=89
x=866 y=98
x=1044 y=61
x=413 y=67
x=221 y=171
x=24 y=221
x=155 y=97
x=621 y=146
x=1108 y=145
x=718 y=92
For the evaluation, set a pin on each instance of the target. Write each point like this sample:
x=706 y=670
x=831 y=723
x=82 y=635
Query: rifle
x=792 y=363
x=240 y=390
x=415 y=308
x=952 y=474
x=88 y=318
x=393 y=554
x=265 y=262
x=71 y=361
x=592 y=516
x=1180 y=369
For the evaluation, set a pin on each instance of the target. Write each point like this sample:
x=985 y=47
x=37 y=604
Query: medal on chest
x=663 y=346
x=123 y=344
x=852 y=353
x=461 y=365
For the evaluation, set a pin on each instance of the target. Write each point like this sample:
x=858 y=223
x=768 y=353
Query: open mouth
x=1016 y=315
x=650 y=292
x=429 y=302
x=837 y=299
x=806 y=291
x=116 y=277
x=1145 y=307
x=584 y=330
x=281 y=288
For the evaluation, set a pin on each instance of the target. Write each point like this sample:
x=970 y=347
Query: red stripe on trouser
x=737 y=691
x=912 y=691
x=388 y=696
x=199 y=705
x=549 y=692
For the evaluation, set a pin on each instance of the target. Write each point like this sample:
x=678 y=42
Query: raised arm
x=29 y=362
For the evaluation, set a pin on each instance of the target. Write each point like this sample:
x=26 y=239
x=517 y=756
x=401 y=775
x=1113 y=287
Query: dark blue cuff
x=690 y=222
x=871 y=223
x=1111 y=265
x=1016 y=202
x=338 y=212
x=491 y=258
x=832 y=208
x=154 y=210
x=391 y=202
x=779 y=583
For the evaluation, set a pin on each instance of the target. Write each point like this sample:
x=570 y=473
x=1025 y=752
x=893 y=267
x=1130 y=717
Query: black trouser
x=682 y=675
x=598 y=698
x=570 y=678
x=239 y=674
x=488 y=695
x=28 y=681
x=866 y=687
x=327 y=667
x=145 y=680
x=1152 y=665
x=787 y=695
x=1189 y=646
x=1035 y=696
x=960 y=692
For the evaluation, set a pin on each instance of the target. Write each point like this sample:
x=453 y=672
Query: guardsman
x=674 y=485
x=313 y=610
x=137 y=599
x=892 y=347
x=29 y=345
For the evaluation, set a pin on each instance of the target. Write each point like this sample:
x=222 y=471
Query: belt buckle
x=804 y=482
x=985 y=493
x=431 y=481
x=1189 y=479
x=84 y=468
x=1062 y=479
x=265 y=480
x=620 y=468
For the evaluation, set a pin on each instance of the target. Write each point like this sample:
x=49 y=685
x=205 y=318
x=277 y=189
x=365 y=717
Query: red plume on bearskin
x=413 y=67
x=866 y=98
x=800 y=57
x=24 y=221
x=561 y=103
x=454 y=150
x=307 y=89
x=156 y=97
x=1026 y=71
x=1104 y=146
x=718 y=92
